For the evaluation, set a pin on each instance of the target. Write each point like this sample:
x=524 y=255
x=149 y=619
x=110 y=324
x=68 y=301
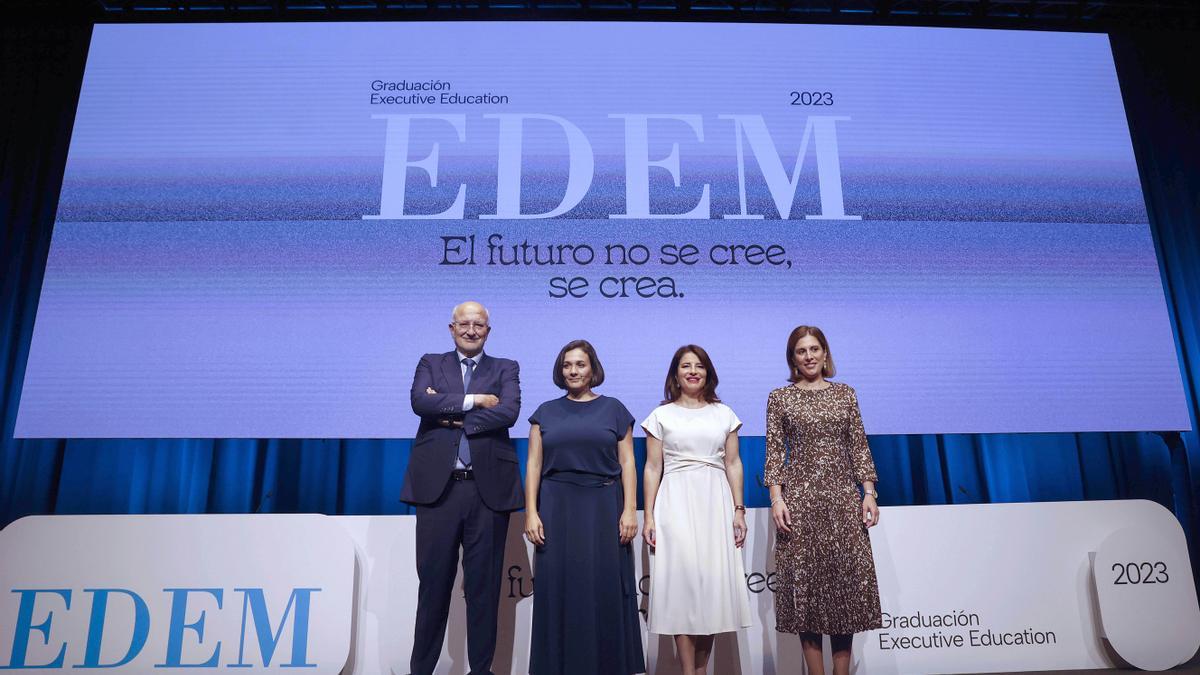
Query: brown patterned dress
x=817 y=450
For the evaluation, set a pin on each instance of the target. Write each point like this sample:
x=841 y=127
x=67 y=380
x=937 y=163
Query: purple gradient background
x=248 y=326
x=211 y=275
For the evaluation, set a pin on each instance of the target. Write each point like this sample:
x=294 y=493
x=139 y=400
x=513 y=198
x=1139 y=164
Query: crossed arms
x=489 y=412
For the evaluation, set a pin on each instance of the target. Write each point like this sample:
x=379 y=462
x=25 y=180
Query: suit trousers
x=458 y=519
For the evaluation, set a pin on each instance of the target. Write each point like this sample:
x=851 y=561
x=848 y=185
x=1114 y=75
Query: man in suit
x=464 y=479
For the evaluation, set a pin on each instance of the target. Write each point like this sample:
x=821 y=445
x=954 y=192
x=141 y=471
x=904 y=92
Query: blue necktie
x=464 y=445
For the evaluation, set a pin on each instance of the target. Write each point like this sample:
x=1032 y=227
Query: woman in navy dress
x=581 y=513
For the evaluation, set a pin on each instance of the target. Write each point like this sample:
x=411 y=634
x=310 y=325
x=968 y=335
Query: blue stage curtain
x=41 y=72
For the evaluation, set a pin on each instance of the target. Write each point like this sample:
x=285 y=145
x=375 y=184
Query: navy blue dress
x=585 y=616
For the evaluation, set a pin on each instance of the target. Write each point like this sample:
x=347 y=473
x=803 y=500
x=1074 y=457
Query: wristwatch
x=872 y=493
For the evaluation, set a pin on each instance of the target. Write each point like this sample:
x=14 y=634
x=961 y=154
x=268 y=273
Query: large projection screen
x=262 y=227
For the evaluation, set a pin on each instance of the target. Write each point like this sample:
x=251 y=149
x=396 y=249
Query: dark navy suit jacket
x=493 y=458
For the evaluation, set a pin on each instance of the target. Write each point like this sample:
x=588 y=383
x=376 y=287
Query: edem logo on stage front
x=293 y=622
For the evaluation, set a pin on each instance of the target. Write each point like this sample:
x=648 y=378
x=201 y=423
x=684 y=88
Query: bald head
x=468 y=306
x=469 y=327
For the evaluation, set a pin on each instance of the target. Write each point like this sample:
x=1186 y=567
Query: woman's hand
x=628 y=526
x=739 y=528
x=533 y=529
x=781 y=516
x=870 y=511
x=648 y=531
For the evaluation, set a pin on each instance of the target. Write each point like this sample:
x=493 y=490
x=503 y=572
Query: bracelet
x=776 y=501
x=870 y=493
x=739 y=507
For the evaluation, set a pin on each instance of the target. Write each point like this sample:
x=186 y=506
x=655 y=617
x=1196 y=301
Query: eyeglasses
x=464 y=326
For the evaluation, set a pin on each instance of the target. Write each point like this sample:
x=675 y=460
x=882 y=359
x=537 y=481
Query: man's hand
x=486 y=400
x=430 y=390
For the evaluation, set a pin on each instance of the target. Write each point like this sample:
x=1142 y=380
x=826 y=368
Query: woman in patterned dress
x=817 y=457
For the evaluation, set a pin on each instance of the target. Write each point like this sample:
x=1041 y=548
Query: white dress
x=697 y=579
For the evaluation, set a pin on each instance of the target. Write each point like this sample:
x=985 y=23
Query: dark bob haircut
x=827 y=370
x=597 y=369
x=672 y=390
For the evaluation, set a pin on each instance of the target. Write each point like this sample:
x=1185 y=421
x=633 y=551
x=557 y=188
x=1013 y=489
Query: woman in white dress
x=695 y=517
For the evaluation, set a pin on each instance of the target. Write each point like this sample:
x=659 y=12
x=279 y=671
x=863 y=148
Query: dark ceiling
x=1078 y=15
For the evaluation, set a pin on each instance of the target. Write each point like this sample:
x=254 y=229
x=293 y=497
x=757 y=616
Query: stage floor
x=1192 y=667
